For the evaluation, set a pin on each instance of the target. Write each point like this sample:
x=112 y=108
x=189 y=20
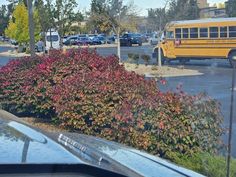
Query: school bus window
x=232 y=31
x=178 y=33
x=185 y=33
x=203 y=32
x=213 y=32
x=223 y=31
x=170 y=34
x=193 y=32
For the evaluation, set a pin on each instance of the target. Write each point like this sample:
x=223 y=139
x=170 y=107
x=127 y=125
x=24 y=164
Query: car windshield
x=125 y=85
x=52 y=38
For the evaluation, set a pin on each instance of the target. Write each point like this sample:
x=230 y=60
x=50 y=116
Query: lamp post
x=31 y=28
x=233 y=62
x=118 y=34
x=159 y=43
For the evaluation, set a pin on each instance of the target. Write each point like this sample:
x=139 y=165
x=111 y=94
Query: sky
x=142 y=5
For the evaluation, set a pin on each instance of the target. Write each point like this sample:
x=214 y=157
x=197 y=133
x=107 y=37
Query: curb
x=6 y=115
x=11 y=117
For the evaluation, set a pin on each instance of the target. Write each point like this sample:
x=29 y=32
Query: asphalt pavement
x=4 y=60
x=216 y=80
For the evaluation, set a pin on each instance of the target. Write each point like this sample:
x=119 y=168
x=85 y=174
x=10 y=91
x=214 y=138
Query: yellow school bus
x=199 y=39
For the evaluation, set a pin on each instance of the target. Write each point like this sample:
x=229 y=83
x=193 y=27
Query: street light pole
x=231 y=117
x=159 y=43
x=31 y=28
x=118 y=36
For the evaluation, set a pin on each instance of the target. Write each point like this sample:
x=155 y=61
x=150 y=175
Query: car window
x=52 y=38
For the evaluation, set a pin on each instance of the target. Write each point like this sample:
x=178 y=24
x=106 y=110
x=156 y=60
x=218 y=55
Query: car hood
x=22 y=144
x=107 y=152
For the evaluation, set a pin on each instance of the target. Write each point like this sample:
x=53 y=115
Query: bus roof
x=200 y=21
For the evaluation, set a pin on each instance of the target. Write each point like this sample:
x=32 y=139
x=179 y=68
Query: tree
x=178 y=10
x=113 y=15
x=221 y=5
x=192 y=10
x=18 y=28
x=183 y=10
x=99 y=8
x=157 y=18
x=45 y=21
x=107 y=15
x=65 y=15
x=4 y=18
x=230 y=6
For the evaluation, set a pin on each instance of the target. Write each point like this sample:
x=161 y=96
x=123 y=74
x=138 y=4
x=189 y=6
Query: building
x=202 y=4
x=213 y=12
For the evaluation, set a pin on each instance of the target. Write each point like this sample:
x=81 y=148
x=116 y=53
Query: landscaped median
x=84 y=92
x=163 y=71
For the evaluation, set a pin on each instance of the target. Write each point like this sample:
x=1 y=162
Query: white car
x=52 y=40
x=154 y=39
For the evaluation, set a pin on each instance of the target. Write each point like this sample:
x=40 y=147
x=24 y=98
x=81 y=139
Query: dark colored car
x=112 y=39
x=72 y=40
x=96 y=41
x=129 y=39
x=13 y=42
x=25 y=151
x=100 y=40
x=84 y=41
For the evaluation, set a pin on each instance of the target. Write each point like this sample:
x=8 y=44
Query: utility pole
x=118 y=35
x=31 y=28
x=231 y=116
x=159 y=43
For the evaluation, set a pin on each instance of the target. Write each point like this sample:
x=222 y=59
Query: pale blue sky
x=141 y=4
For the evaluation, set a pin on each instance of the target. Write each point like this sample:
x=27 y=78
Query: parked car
x=154 y=39
x=13 y=42
x=96 y=41
x=82 y=35
x=143 y=37
x=6 y=39
x=1 y=38
x=128 y=39
x=72 y=40
x=102 y=39
x=92 y=36
x=64 y=39
x=83 y=41
x=111 y=39
x=102 y=34
x=52 y=40
x=39 y=46
x=28 y=152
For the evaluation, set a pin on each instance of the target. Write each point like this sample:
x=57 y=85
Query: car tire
x=140 y=44
x=129 y=44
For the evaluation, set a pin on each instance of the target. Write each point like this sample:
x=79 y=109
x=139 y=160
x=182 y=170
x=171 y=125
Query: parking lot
x=215 y=81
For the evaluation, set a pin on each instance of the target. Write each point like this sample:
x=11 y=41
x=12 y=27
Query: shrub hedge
x=95 y=95
x=204 y=163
